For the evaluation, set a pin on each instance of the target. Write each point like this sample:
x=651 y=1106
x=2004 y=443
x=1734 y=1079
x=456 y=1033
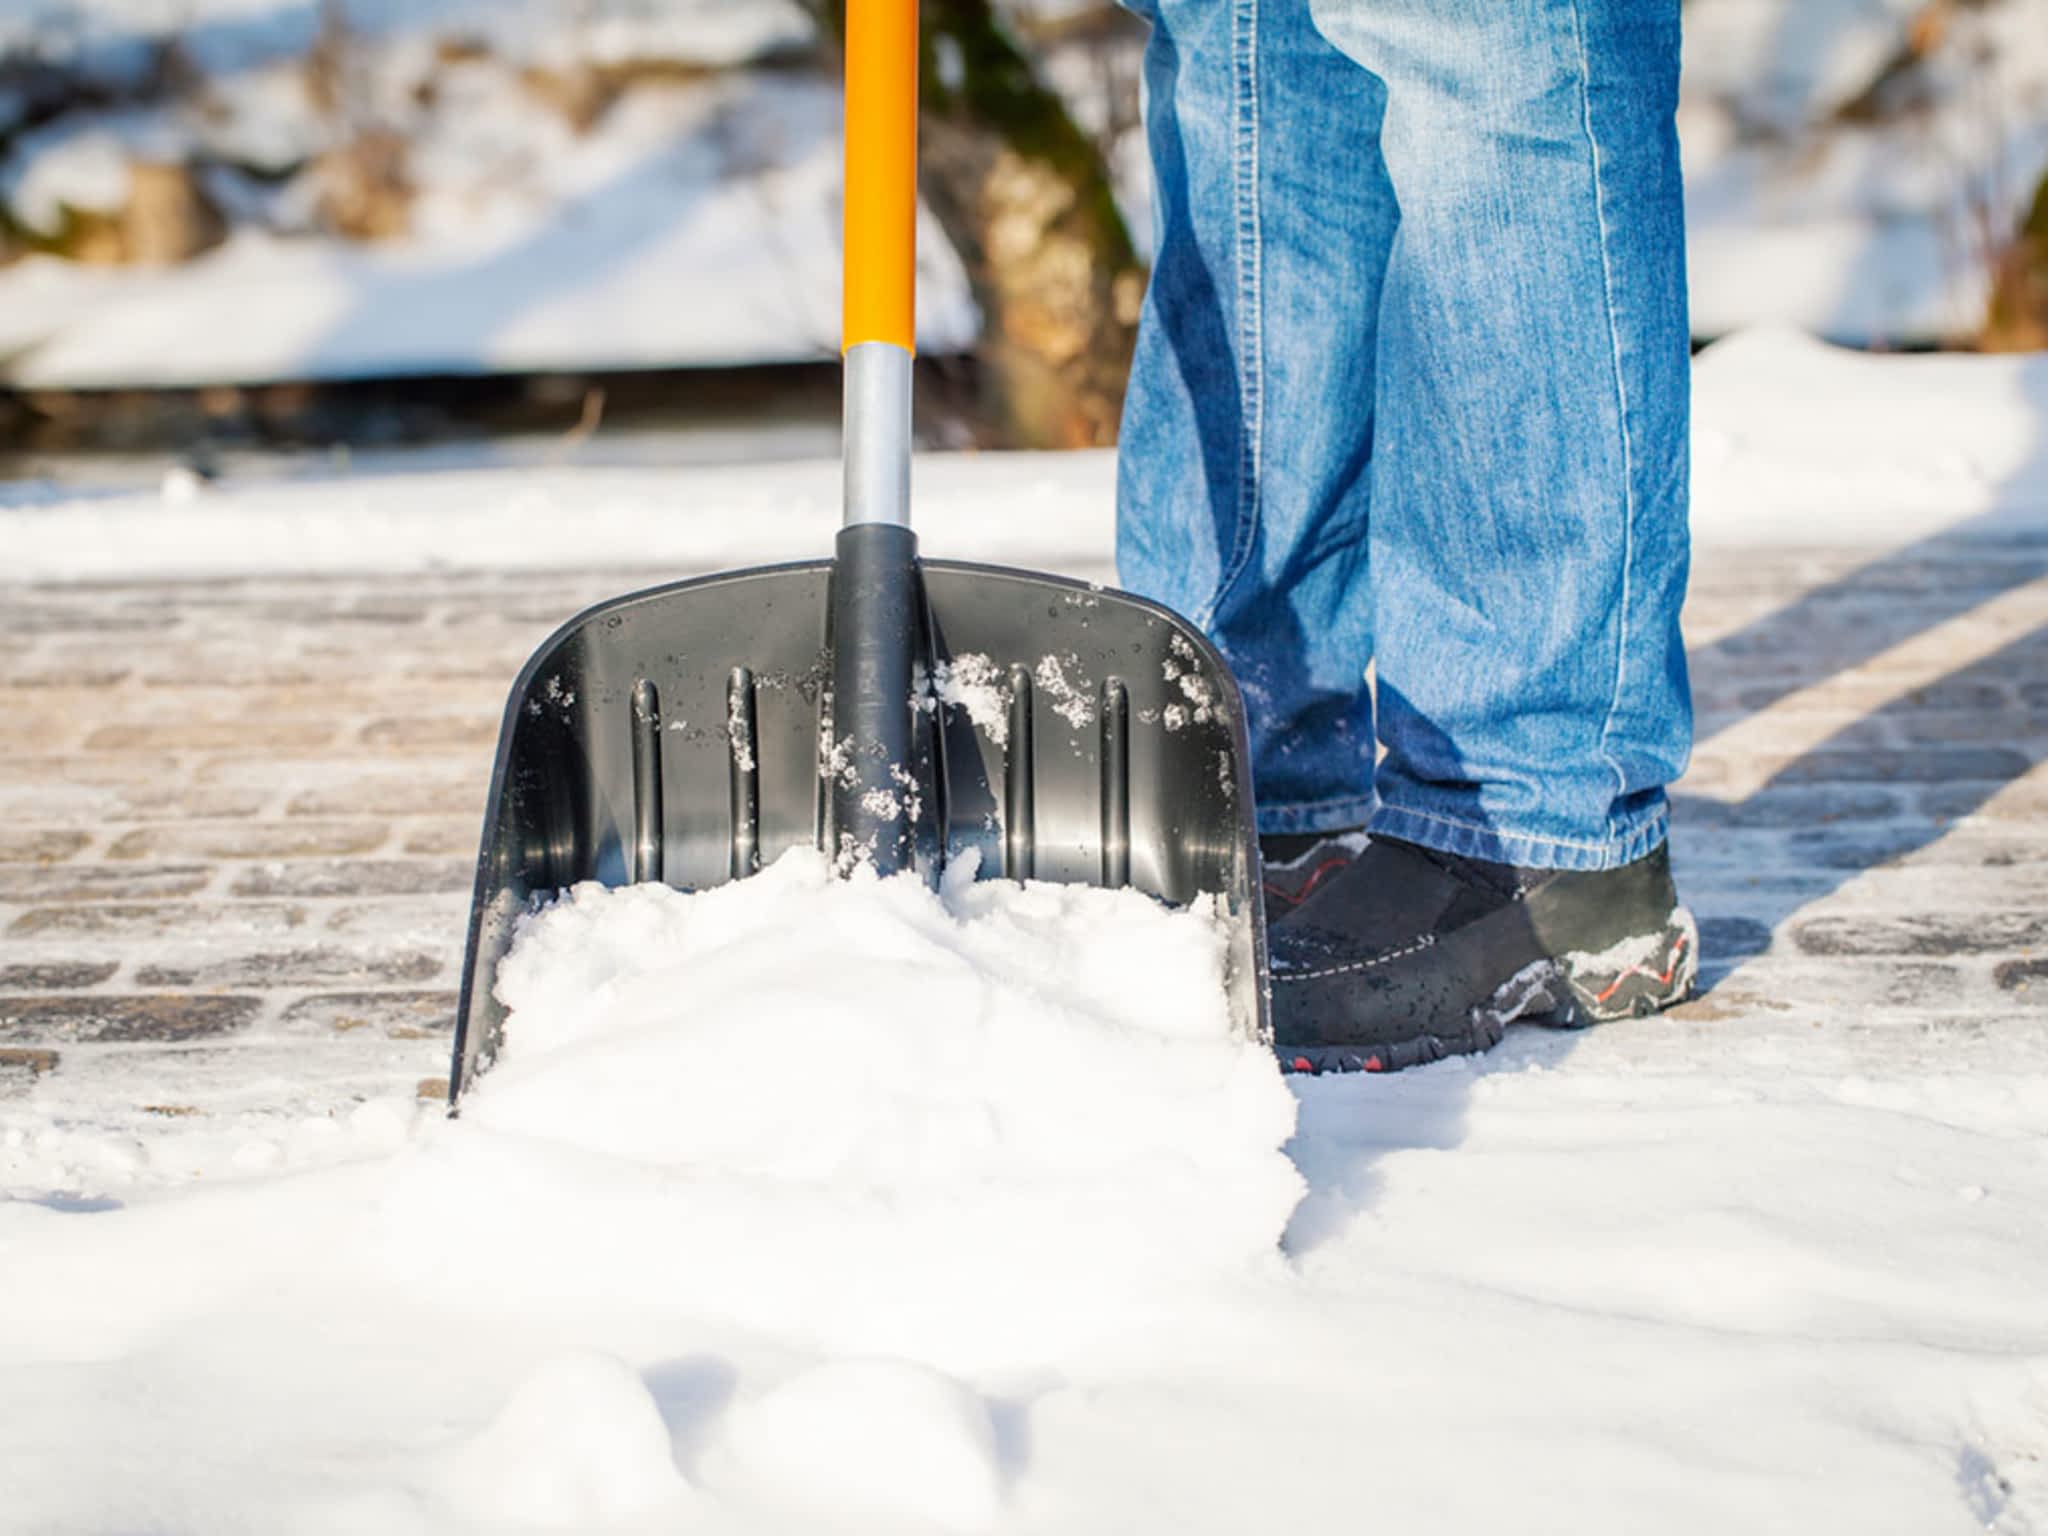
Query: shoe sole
x=1630 y=981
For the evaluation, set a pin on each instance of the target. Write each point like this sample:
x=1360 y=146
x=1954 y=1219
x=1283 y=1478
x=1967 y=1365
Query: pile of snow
x=892 y=1148
x=898 y=1113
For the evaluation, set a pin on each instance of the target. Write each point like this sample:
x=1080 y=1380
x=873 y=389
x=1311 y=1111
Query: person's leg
x=1528 y=541
x=1527 y=545
x=1248 y=430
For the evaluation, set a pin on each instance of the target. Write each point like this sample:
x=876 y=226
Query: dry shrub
x=365 y=193
x=169 y=217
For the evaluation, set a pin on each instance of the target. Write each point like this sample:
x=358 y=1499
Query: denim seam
x=1621 y=401
x=1496 y=834
x=1250 y=294
x=1367 y=802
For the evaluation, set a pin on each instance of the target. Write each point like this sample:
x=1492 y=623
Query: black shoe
x=1408 y=955
x=1296 y=864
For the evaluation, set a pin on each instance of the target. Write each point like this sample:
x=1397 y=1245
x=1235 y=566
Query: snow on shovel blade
x=683 y=734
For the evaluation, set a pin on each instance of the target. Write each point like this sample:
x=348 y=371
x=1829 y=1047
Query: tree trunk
x=2017 y=320
x=1024 y=196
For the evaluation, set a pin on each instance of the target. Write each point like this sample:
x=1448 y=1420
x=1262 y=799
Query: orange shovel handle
x=880 y=241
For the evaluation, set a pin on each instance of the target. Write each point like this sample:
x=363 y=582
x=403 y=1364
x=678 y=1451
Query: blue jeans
x=1411 y=392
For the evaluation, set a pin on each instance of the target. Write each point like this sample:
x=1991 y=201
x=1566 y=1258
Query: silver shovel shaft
x=877 y=426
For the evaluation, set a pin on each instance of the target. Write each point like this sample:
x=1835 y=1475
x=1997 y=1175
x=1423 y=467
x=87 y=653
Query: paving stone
x=1720 y=1001
x=164 y=704
x=418 y=919
x=492 y=670
x=2007 y=726
x=99 y=770
x=2029 y=975
x=249 y=840
x=232 y=666
x=32 y=732
x=313 y=966
x=56 y=975
x=1929 y=765
x=39 y=845
x=100 y=882
x=210 y=735
x=1913 y=844
x=31 y=618
x=64 y=674
x=95 y=1018
x=356 y=877
x=2023 y=800
x=94 y=805
x=364 y=648
x=1923 y=933
x=375 y=696
x=20 y=1066
x=304 y=612
x=1732 y=938
x=1920 y=985
x=394 y=1015
x=432 y=732
x=445 y=837
x=1788 y=806
x=217 y=921
x=186 y=802
x=391 y=794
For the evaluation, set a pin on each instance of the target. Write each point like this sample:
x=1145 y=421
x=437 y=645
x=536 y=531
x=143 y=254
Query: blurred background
x=240 y=232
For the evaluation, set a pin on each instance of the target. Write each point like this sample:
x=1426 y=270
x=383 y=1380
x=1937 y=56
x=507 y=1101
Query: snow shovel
x=894 y=712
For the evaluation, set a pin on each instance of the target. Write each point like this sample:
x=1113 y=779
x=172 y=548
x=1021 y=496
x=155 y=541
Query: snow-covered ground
x=540 y=241
x=811 y=1206
x=1794 y=443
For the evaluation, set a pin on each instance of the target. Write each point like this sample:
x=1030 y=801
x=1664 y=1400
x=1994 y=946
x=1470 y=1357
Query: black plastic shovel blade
x=683 y=734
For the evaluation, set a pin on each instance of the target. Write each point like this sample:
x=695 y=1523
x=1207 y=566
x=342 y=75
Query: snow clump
x=958 y=1127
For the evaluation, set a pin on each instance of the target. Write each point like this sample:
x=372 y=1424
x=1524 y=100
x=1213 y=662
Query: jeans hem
x=1347 y=814
x=1525 y=850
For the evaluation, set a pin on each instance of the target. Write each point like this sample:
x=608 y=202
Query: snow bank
x=1798 y=442
x=1840 y=181
x=1046 y=510
x=895 y=1113
x=699 y=228
x=1794 y=441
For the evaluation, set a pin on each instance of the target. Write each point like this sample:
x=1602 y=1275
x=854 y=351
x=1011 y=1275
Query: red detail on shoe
x=1374 y=1064
x=1316 y=876
x=1301 y=1064
x=1662 y=978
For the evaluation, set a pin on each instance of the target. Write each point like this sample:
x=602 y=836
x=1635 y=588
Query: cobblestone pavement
x=237 y=821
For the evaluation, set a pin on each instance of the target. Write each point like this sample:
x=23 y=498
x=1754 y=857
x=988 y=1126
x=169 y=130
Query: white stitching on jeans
x=1250 y=307
x=1621 y=405
x=1609 y=845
